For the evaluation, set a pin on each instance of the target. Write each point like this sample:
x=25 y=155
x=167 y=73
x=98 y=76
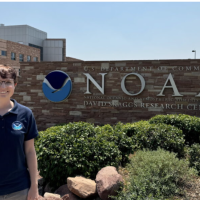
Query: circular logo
x=57 y=86
x=17 y=126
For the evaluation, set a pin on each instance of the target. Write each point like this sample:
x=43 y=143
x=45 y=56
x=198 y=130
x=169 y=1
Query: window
x=4 y=53
x=13 y=56
x=28 y=58
x=21 y=57
x=41 y=50
x=35 y=59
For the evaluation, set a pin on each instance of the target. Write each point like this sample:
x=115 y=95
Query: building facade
x=12 y=53
x=50 y=49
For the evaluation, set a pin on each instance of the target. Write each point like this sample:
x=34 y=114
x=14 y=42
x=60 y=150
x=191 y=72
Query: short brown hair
x=6 y=70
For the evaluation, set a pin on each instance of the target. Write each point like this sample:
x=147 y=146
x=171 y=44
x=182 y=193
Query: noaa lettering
x=173 y=86
x=124 y=88
x=89 y=77
x=101 y=89
x=57 y=85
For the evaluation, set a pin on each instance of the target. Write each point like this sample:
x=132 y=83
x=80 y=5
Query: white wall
x=35 y=36
x=52 y=50
x=23 y=34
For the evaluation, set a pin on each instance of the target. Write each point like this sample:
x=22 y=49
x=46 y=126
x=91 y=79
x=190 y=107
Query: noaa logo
x=17 y=126
x=57 y=86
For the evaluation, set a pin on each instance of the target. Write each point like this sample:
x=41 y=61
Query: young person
x=18 y=165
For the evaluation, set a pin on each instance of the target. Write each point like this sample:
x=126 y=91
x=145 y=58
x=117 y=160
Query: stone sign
x=108 y=92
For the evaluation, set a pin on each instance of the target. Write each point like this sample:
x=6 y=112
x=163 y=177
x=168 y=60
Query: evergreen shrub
x=190 y=125
x=194 y=156
x=117 y=135
x=152 y=136
x=73 y=149
x=155 y=175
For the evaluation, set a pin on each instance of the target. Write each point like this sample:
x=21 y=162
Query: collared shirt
x=16 y=127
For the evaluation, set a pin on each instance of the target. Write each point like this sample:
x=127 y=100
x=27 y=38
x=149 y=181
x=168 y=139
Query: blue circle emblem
x=17 y=126
x=57 y=86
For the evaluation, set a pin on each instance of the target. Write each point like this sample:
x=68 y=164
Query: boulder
x=108 y=182
x=65 y=193
x=82 y=187
x=51 y=195
x=49 y=198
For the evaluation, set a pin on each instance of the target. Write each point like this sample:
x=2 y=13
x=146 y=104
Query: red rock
x=51 y=195
x=108 y=182
x=82 y=187
x=42 y=198
x=65 y=193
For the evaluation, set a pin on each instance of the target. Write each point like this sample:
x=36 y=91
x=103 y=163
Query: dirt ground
x=192 y=191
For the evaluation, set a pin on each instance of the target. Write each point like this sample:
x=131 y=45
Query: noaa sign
x=57 y=85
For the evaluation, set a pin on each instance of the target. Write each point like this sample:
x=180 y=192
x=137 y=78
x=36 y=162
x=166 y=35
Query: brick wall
x=114 y=105
x=3 y=47
x=18 y=49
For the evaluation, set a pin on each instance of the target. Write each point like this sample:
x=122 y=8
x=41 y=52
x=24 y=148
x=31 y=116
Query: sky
x=114 y=30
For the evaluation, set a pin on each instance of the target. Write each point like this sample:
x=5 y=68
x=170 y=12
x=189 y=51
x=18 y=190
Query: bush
x=194 y=157
x=152 y=136
x=156 y=175
x=71 y=150
x=190 y=125
x=117 y=135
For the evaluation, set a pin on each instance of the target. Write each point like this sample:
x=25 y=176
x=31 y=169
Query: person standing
x=18 y=166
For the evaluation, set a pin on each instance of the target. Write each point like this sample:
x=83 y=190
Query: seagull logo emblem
x=57 y=86
x=17 y=126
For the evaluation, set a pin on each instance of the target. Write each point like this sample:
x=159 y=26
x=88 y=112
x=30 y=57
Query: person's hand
x=33 y=193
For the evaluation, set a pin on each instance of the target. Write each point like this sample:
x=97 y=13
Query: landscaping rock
x=82 y=187
x=108 y=182
x=51 y=195
x=65 y=193
x=49 y=198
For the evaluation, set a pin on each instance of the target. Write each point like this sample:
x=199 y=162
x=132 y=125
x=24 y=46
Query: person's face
x=7 y=87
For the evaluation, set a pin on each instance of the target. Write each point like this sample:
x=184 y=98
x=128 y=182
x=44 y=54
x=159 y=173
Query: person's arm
x=32 y=166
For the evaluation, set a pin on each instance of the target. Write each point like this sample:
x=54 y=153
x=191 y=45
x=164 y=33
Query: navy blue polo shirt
x=16 y=127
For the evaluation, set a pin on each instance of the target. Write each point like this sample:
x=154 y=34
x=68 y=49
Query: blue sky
x=114 y=31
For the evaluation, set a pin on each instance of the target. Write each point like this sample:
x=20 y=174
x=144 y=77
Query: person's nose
x=3 y=85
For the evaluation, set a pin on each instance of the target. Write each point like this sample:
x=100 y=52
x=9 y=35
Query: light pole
x=194 y=53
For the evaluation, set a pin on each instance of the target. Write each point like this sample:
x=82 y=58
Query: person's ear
x=15 y=84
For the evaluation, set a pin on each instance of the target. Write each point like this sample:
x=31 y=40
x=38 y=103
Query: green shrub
x=194 y=157
x=156 y=175
x=190 y=125
x=118 y=136
x=152 y=136
x=71 y=150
